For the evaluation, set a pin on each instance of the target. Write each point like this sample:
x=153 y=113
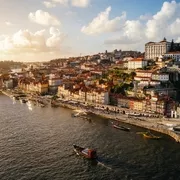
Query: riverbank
x=156 y=124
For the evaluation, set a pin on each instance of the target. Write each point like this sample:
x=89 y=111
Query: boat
x=85 y=152
x=149 y=135
x=23 y=100
x=121 y=127
x=176 y=128
x=77 y=113
x=42 y=105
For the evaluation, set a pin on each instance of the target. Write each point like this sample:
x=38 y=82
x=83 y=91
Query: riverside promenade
x=161 y=125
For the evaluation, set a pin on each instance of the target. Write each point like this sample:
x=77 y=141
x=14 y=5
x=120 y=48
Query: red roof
x=175 y=52
x=137 y=59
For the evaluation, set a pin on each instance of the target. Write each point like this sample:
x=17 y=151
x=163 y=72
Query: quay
x=158 y=125
x=161 y=125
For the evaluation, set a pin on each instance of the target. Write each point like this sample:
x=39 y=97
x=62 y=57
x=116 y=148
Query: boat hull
x=121 y=128
x=151 y=136
x=80 y=151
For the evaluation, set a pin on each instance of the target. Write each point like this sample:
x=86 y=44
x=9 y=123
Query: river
x=36 y=144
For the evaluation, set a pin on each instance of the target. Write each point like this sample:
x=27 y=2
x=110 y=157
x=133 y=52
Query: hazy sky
x=35 y=30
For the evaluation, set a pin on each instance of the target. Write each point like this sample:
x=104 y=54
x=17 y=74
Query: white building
x=155 y=49
x=55 y=82
x=163 y=77
x=96 y=97
x=143 y=75
x=150 y=77
x=173 y=55
x=137 y=63
x=64 y=93
x=101 y=97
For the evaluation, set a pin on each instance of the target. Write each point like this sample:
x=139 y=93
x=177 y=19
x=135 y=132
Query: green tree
x=172 y=46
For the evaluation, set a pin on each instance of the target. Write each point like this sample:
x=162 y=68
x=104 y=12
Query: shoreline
x=133 y=121
x=147 y=123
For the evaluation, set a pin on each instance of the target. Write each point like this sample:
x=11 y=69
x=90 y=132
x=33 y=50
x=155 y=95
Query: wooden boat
x=85 y=152
x=121 y=127
x=176 y=128
x=150 y=136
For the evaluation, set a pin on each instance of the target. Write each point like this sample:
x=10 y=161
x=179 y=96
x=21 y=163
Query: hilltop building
x=154 y=50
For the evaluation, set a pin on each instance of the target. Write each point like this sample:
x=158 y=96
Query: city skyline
x=43 y=30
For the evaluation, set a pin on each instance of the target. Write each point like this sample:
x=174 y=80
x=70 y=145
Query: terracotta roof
x=137 y=59
x=145 y=71
x=142 y=77
x=175 y=52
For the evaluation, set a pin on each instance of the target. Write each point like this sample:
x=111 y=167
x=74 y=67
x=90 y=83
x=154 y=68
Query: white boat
x=78 y=112
x=29 y=103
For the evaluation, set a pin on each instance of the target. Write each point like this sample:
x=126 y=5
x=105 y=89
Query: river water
x=36 y=144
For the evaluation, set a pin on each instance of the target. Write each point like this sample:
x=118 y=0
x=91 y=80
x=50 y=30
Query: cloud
x=76 y=3
x=63 y=2
x=177 y=40
x=175 y=27
x=56 y=38
x=161 y=20
x=130 y=34
x=135 y=33
x=43 y=18
x=80 y=3
x=49 y=4
x=145 y=17
x=70 y=13
x=102 y=23
x=25 y=41
x=120 y=40
x=8 y=23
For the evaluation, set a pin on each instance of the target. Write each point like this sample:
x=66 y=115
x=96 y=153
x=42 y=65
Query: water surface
x=36 y=144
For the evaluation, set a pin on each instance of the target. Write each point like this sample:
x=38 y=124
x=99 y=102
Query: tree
x=172 y=46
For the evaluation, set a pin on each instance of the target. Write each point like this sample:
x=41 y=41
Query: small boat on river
x=85 y=152
x=23 y=100
x=121 y=127
x=176 y=128
x=149 y=135
x=77 y=113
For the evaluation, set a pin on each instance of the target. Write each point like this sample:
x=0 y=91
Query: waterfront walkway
x=162 y=125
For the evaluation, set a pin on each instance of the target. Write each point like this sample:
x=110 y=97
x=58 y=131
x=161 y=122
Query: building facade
x=137 y=63
x=155 y=49
x=173 y=55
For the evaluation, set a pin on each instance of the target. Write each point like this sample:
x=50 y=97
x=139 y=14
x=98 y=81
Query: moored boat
x=150 y=136
x=121 y=127
x=78 y=113
x=85 y=152
x=23 y=100
x=176 y=128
